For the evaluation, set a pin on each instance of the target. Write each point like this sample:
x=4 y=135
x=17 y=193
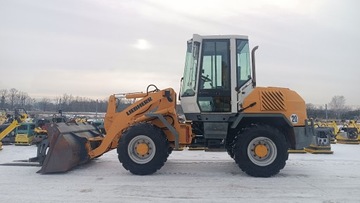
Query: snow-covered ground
x=188 y=176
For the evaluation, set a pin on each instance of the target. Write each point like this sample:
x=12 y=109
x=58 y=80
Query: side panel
x=303 y=136
x=215 y=130
x=212 y=117
x=281 y=107
x=277 y=100
x=189 y=104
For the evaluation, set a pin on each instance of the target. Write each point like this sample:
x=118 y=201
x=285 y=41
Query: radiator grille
x=272 y=100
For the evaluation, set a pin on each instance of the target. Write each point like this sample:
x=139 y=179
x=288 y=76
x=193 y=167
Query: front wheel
x=261 y=151
x=143 y=149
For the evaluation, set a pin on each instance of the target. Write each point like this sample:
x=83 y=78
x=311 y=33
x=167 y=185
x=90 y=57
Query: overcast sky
x=94 y=48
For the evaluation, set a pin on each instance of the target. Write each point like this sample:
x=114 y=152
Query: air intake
x=272 y=100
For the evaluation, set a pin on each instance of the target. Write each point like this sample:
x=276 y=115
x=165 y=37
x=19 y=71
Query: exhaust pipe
x=253 y=65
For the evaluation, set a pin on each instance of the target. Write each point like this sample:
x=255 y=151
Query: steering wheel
x=205 y=78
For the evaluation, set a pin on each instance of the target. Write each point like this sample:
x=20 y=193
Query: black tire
x=143 y=149
x=261 y=151
x=230 y=148
x=352 y=134
x=230 y=152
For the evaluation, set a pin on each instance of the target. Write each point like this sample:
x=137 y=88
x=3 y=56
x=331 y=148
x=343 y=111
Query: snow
x=187 y=176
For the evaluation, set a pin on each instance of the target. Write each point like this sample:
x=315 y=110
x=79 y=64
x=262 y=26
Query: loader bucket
x=68 y=145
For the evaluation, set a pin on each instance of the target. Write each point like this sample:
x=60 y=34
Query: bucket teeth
x=68 y=146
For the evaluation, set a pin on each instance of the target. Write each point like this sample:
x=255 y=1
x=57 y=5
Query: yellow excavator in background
x=222 y=106
x=19 y=117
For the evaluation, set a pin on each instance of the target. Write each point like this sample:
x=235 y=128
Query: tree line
x=13 y=98
x=335 y=110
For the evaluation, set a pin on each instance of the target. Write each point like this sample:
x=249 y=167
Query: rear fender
x=297 y=137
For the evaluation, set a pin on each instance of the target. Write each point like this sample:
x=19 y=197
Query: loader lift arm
x=73 y=144
x=152 y=106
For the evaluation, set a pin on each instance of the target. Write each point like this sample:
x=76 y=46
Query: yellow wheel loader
x=223 y=109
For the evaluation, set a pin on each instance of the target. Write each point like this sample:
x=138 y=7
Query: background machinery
x=223 y=109
x=330 y=126
x=348 y=133
x=24 y=133
x=321 y=143
x=40 y=131
x=20 y=116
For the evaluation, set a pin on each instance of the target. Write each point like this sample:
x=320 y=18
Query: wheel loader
x=222 y=106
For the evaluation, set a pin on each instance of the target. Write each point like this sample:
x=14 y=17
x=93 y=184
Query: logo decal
x=137 y=107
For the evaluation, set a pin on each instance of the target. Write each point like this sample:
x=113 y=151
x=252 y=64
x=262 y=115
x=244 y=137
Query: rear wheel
x=229 y=146
x=143 y=149
x=261 y=151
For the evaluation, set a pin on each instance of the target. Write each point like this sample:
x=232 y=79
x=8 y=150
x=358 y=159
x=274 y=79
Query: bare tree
x=23 y=96
x=3 y=95
x=66 y=101
x=44 y=103
x=57 y=101
x=13 y=94
x=337 y=104
x=29 y=103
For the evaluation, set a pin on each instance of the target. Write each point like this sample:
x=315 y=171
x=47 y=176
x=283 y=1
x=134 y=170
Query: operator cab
x=217 y=76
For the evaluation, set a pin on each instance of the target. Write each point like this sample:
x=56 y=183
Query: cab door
x=214 y=85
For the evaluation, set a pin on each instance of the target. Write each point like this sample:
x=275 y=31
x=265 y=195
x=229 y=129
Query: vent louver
x=272 y=100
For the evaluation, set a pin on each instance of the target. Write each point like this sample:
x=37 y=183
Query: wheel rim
x=262 y=151
x=141 y=149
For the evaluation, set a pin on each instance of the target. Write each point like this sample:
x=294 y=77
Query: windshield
x=23 y=127
x=189 y=79
x=242 y=62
